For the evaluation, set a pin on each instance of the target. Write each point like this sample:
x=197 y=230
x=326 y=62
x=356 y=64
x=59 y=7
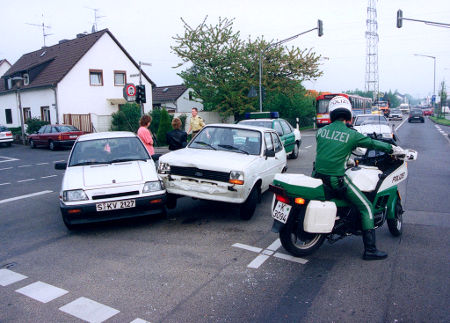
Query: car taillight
x=282 y=198
x=8 y=134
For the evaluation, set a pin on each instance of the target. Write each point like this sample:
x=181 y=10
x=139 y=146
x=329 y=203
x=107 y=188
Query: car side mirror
x=60 y=166
x=269 y=153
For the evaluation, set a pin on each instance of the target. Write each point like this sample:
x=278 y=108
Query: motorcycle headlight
x=236 y=177
x=152 y=186
x=74 y=195
x=163 y=168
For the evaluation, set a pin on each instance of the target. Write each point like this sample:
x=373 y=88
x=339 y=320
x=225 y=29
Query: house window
x=9 y=84
x=45 y=114
x=26 y=114
x=8 y=116
x=26 y=79
x=120 y=78
x=96 y=77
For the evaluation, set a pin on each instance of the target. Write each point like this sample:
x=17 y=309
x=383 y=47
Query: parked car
x=6 y=136
x=109 y=175
x=226 y=163
x=372 y=123
x=416 y=115
x=290 y=136
x=55 y=136
x=395 y=114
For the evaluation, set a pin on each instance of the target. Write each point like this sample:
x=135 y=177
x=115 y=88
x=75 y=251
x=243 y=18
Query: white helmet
x=340 y=107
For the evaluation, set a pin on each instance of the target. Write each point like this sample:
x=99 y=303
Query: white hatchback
x=373 y=123
x=109 y=175
x=227 y=163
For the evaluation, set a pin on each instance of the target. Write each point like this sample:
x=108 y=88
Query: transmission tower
x=372 y=49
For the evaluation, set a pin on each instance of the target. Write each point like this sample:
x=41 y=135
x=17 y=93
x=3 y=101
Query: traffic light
x=140 y=94
x=399 y=18
x=320 y=28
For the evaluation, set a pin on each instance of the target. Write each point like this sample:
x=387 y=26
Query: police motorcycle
x=306 y=212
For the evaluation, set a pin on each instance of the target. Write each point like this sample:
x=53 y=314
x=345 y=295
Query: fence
x=81 y=121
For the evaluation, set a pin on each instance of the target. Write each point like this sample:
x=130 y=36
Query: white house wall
x=4 y=67
x=77 y=96
x=186 y=105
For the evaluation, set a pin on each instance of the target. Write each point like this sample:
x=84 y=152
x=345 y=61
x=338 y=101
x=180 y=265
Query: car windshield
x=257 y=123
x=373 y=119
x=3 y=128
x=416 y=111
x=230 y=139
x=66 y=128
x=106 y=151
x=395 y=111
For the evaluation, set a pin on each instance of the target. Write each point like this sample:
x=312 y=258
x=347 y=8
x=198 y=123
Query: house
x=175 y=98
x=4 y=66
x=78 y=81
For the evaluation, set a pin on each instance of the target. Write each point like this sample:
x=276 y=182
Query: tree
x=224 y=67
x=127 y=118
x=443 y=95
x=164 y=127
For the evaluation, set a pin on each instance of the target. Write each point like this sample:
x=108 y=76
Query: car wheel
x=294 y=153
x=32 y=144
x=247 y=209
x=51 y=145
x=171 y=202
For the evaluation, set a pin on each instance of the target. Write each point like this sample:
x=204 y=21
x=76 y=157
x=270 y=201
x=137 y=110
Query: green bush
x=183 y=118
x=164 y=127
x=127 y=118
x=156 y=116
x=16 y=130
x=34 y=124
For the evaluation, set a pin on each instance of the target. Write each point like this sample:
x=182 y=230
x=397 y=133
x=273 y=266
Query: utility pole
x=372 y=82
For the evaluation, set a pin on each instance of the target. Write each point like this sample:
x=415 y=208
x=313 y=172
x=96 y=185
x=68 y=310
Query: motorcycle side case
x=320 y=217
x=300 y=185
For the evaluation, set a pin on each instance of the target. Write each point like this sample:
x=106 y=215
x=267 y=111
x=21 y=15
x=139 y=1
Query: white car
x=109 y=175
x=227 y=163
x=6 y=136
x=373 y=123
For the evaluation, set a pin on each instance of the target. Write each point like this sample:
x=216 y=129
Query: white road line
x=275 y=245
x=5 y=168
x=26 y=180
x=8 y=159
x=42 y=292
x=58 y=161
x=401 y=124
x=8 y=277
x=24 y=166
x=308 y=146
x=258 y=261
x=49 y=176
x=41 y=164
x=291 y=258
x=89 y=310
x=1 y=184
x=246 y=247
x=24 y=196
x=138 y=320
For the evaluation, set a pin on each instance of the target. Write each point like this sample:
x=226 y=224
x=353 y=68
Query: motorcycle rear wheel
x=295 y=240
x=396 y=225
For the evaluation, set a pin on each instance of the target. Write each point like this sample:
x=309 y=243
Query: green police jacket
x=335 y=144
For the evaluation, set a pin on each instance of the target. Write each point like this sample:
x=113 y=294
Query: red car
x=428 y=112
x=55 y=136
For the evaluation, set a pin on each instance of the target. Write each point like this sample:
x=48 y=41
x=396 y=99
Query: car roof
x=369 y=115
x=241 y=126
x=106 y=135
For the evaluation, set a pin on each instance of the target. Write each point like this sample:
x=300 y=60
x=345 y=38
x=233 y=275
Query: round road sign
x=130 y=90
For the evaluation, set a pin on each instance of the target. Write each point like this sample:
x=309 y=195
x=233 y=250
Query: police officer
x=335 y=144
x=196 y=123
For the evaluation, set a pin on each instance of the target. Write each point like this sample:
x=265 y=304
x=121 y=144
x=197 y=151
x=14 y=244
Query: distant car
x=6 y=136
x=109 y=175
x=416 y=115
x=55 y=136
x=226 y=163
x=290 y=136
x=404 y=108
x=370 y=123
x=427 y=111
x=395 y=114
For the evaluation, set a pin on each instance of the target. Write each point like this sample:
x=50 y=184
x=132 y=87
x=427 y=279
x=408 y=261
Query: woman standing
x=176 y=138
x=145 y=135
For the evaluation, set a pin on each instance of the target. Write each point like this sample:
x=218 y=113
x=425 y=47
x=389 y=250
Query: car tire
x=247 y=209
x=171 y=202
x=51 y=145
x=32 y=144
x=295 y=151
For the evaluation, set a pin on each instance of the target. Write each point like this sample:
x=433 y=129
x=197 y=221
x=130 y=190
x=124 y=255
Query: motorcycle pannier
x=319 y=217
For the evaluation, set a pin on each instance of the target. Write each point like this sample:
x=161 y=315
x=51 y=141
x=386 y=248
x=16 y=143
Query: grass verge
x=441 y=121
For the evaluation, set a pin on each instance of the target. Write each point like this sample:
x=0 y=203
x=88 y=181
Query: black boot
x=370 y=250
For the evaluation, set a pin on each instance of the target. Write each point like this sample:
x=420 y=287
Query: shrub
x=16 y=130
x=156 y=116
x=34 y=124
x=164 y=127
x=127 y=118
x=183 y=118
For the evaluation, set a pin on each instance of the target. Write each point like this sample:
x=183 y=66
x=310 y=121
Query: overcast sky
x=146 y=28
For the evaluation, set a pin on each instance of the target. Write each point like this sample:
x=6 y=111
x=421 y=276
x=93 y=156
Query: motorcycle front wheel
x=295 y=240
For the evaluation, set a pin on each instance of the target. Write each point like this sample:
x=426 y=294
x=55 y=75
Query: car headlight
x=152 y=186
x=236 y=177
x=163 y=168
x=74 y=195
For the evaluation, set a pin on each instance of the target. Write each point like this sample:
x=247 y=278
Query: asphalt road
x=186 y=269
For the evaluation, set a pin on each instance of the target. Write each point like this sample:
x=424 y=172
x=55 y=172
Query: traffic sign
x=129 y=92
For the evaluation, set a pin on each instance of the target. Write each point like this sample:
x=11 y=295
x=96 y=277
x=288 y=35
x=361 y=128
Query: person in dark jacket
x=176 y=138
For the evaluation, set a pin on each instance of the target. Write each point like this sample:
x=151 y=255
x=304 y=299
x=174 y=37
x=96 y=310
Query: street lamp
x=434 y=73
x=19 y=78
x=319 y=29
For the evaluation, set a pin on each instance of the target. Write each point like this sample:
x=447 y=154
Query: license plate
x=281 y=212
x=116 y=205
x=72 y=137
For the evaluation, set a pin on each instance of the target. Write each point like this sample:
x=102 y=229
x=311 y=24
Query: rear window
x=66 y=128
x=2 y=128
x=257 y=123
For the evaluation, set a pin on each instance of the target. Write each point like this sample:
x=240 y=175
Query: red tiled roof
x=58 y=60
x=168 y=93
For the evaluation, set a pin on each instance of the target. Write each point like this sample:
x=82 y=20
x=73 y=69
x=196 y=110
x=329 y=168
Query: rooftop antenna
x=43 y=28
x=96 y=18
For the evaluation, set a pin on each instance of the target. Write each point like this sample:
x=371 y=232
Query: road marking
x=42 y=292
x=308 y=146
x=265 y=254
x=49 y=176
x=41 y=164
x=5 y=168
x=26 y=180
x=24 y=166
x=8 y=277
x=7 y=159
x=89 y=310
x=1 y=184
x=401 y=124
x=58 y=161
x=24 y=196
x=138 y=320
